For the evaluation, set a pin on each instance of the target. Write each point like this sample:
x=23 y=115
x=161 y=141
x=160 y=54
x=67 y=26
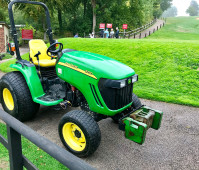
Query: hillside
x=179 y=28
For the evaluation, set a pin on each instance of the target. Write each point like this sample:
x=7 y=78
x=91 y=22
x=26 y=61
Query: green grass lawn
x=37 y=156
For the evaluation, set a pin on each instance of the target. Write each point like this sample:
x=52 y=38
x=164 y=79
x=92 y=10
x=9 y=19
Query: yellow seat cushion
x=44 y=59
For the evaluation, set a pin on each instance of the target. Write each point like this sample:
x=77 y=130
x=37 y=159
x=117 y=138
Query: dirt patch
x=4 y=165
x=197 y=18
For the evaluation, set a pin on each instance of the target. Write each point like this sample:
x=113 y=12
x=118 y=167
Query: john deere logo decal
x=71 y=66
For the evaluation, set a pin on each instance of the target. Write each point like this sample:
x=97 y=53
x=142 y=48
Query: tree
x=159 y=6
x=82 y=16
x=165 y=4
x=93 y=2
x=2 y=15
x=193 y=8
x=3 y=12
x=171 y=12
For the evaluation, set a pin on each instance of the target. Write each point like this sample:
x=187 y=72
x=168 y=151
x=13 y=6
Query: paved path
x=151 y=29
x=174 y=146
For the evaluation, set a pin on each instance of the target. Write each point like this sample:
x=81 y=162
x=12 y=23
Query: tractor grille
x=116 y=98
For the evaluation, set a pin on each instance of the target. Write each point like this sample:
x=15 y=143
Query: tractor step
x=138 y=122
x=47 y=100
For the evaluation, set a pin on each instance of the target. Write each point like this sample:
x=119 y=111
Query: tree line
x=84 y=16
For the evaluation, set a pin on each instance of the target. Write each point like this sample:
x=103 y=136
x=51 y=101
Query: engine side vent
x=95 y=95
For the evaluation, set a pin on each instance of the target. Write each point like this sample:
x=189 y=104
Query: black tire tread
x=26 y=108
x=136 y=102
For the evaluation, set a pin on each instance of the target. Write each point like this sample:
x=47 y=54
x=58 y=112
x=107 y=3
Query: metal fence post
x=140 y=35
x=15 y=151
x=157 y=27
x=134 y=36
x=145 y=35
x=149 y=33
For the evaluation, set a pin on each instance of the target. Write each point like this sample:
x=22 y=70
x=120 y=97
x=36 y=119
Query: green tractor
x=100 y=86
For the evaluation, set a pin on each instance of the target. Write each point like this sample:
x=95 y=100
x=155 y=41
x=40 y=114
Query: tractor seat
x=44 y=59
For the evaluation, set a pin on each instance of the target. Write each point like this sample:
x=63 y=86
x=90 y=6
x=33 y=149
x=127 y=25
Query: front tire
x=16 y=98
x=79 y=133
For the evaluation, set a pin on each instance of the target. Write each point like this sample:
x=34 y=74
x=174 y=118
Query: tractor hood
x=98 y=65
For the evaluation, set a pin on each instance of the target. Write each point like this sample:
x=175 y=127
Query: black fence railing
x=13 y=144
x=137 y=30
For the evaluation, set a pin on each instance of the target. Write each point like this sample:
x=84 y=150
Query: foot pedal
x=137 y=124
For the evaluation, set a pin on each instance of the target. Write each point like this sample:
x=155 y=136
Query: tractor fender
x=32 y=79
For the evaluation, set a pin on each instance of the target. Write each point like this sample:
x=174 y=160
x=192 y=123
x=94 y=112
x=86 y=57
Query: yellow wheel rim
x=8 y=99
x=74 y=137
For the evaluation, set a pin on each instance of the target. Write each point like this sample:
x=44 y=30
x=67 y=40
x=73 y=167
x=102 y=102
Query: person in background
x=117 y=32
x=76 y=35
x=92 y=35
x=112 y=33
x=106 y=33
x=102 y=33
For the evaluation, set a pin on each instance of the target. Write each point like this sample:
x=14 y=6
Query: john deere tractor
x=100 y=86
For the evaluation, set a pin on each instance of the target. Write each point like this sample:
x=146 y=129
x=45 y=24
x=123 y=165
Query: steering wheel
x=52 y=51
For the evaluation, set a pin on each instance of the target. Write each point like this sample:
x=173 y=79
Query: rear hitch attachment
x=65 y=104
x=138 y=122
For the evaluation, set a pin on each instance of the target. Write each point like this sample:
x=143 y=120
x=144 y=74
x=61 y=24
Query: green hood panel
x=100 y=66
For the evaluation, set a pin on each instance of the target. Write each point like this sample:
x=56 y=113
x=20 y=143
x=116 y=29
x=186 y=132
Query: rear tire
x=16 y=98
x=135 y=105
x=79 y=133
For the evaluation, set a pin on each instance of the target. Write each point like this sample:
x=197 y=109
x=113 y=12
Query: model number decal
x=88 y=73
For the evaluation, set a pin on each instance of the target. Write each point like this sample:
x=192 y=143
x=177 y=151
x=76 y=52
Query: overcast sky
x=182 y=6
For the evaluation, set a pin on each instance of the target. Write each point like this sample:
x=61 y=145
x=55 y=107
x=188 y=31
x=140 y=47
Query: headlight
x=122 y=83
x=134 y=78
x=117 y=84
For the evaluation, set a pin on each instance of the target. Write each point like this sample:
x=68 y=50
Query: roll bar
x=13 y=28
